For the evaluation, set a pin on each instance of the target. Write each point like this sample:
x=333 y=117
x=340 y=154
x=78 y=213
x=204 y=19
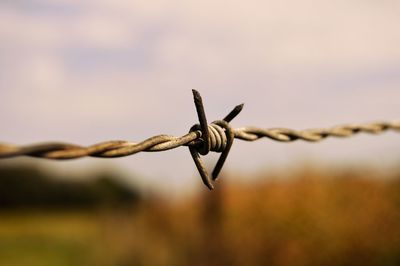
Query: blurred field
x=311 y=218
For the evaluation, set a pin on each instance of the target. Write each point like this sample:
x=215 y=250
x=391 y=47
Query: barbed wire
x=201 y=139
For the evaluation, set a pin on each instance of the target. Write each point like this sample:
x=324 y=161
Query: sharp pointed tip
x=206 y=179
x=240 y=106
x=196 y=95
x=195 y=92
x=214 y=175
x=234 y=113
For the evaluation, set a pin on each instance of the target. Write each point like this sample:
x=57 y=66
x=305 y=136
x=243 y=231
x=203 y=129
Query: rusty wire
x=202 y=138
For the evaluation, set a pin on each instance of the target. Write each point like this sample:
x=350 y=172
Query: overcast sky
x=89 y=71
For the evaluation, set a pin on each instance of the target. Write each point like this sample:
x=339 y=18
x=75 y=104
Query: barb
x=216 y=137
x=202 y=138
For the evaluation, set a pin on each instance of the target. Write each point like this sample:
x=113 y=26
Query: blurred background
x=89 y=71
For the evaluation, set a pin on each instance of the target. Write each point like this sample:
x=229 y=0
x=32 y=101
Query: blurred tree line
x=311 y=216
x=24 y=186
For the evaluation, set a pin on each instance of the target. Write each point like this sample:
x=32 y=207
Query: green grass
x=41 y=251
x=41 y=239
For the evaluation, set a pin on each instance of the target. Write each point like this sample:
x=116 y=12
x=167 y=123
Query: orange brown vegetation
x=311 y=218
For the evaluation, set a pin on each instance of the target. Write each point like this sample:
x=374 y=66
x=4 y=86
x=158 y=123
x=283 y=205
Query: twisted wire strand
x=120 y=148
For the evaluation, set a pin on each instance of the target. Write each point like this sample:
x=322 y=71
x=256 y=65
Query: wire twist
x=313 y=135
x=201 y=139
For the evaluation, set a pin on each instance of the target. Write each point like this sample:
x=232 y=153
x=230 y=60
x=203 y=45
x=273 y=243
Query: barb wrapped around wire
x=201 y=139
x=217 y=137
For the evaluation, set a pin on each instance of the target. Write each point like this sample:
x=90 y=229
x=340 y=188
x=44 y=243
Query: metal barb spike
x=205 y=135
x=234 y=113
x=204 y=146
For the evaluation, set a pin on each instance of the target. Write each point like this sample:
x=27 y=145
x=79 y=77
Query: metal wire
x=120 y=148
x=202 y=138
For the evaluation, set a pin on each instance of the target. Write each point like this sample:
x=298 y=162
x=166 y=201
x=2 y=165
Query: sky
x=89 y=71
